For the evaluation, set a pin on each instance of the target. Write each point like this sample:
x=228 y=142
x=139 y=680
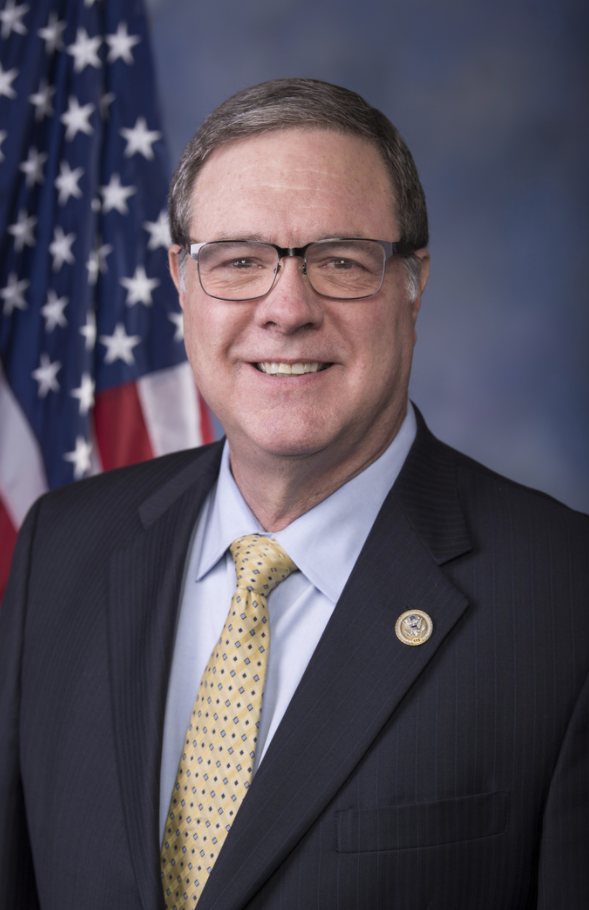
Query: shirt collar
x=324 y=542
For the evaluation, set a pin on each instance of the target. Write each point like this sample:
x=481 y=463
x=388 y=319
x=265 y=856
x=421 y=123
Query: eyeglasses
x=344 y=269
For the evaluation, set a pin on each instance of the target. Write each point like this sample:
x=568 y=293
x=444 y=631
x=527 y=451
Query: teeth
x=289 y=369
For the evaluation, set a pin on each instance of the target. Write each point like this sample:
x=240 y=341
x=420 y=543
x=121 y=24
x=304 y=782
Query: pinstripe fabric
x=465 y=781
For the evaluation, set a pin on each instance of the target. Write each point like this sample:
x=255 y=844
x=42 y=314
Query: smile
x=290 y=369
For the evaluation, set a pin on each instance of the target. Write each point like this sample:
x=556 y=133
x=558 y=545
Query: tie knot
x=260 y=563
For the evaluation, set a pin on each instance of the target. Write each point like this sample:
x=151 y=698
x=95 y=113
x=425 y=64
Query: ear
x=423 y=256
x=174 y=267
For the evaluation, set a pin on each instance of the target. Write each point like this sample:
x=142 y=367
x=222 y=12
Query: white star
x=114 y=196
x=140 y=139
x=85 y=394
x=97 y=262
x=42 y=100
x=11 y=18
x=76 y=119
x=6 y=80
x=13 y=294
x=84 y=50
x=105 y=102
x=53 y=311
x=33 y=167
x=61 y=248
x=80 y=457
x=22 y=230
x=3 y=135
x=120 y=44
x=46 y=374
x=159 y=232
x=52 y=33
x=67 y=182
x=89 y=3
x=139 y=287
x=89 y=330
x=178 y=320
x=120 y=345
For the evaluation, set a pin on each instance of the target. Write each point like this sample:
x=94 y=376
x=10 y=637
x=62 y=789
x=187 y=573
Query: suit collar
x=360 y=668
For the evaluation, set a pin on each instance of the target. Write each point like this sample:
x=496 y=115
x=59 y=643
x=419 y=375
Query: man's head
x=309 y=104
x=299 y=378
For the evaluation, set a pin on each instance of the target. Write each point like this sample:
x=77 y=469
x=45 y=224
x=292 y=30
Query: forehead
x=294 y=186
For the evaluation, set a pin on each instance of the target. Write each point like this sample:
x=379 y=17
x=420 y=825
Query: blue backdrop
x=492 y=101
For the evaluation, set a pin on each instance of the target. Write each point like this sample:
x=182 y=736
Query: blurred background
x=492 y=101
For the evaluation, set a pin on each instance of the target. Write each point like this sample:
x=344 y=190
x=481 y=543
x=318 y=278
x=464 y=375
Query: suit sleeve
x=563 y=879
x=17 y=878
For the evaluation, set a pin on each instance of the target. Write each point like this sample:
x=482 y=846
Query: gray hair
x=289 y=103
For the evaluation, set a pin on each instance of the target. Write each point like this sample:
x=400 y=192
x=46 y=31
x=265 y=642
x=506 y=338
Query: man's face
x=290 y=188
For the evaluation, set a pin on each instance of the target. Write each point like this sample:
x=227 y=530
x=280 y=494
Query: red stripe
x=7 y=542
x=121 y=434
x=206 y=424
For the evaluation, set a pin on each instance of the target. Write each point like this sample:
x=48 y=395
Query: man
x=423 y=740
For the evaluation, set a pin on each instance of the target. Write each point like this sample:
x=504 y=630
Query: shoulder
x=440 y=480
x=114 y=504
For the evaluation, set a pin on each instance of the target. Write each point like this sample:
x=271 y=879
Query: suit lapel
x=144 y=591
x=360 y=668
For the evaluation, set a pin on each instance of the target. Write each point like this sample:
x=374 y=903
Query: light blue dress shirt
x=324 y=544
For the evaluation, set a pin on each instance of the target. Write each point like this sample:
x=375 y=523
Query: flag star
x=97 y=262
x=52 y=33
x=140 y=139
x=22 y=230
x=119 y=345
x=178 y=320
x=13 y=294
x=11 y=18
x=139 y=287
x=42 y=100
x=61 y=248
x=85 y=393
x=76 y=119
x=80 y=457
x=89 y=330
x=105 y=102
x=84 y=51
x=33 y=167
x=120 y=44
x=45 y=375
x=53 y=311
x=3 y=135
x=159 y=232
x=89 y=3
x=114 y=196
x=6 y=79
x=67 y=182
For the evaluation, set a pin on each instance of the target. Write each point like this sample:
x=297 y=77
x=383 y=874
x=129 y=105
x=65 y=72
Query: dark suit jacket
x=452 y=775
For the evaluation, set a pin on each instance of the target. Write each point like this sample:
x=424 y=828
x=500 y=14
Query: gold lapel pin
x=414 y=627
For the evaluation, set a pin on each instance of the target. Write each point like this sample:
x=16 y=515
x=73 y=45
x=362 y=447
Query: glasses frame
x=397 y=248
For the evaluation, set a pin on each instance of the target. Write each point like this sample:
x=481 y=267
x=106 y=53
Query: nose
x=292 y=304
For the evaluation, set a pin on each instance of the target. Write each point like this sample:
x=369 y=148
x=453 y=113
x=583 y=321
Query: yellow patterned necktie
x=217 y=762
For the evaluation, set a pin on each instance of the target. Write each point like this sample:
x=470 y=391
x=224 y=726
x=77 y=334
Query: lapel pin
x=414 y=627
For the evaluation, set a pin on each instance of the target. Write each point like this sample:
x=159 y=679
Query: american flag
x=93 y=372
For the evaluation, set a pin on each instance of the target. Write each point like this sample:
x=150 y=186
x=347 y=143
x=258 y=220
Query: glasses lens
x=237 y=270
x=346 y=268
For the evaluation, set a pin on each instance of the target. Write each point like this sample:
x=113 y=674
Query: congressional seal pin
x=414 y=627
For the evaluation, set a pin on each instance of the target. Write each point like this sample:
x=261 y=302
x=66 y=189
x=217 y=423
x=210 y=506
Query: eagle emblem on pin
x=414 y=627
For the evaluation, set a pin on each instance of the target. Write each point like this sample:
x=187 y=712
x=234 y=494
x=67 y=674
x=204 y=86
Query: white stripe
x=170 y=409
x=22 y=473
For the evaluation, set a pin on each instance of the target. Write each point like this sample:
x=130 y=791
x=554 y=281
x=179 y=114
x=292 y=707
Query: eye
x=242 y=264
x=341 y=264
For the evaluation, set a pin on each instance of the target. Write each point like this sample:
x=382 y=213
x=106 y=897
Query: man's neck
x=279 y=489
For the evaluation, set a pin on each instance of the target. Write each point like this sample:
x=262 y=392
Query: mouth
x=290 y=369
